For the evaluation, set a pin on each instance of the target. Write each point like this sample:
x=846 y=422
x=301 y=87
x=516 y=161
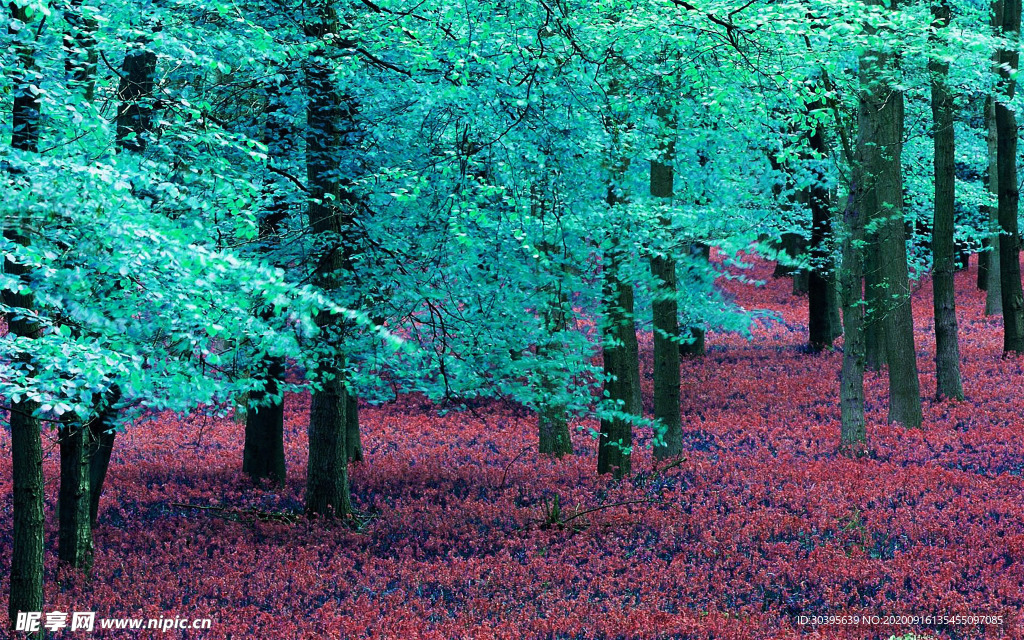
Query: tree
x=821 y=294
x=883 y=119
x=1009 y=194
x=26 y=586
x=327 y=484
x=947 y=349
x=263 y=453
x=665 y=310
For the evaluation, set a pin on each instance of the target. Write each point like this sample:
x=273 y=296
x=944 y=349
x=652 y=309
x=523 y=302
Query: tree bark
x=74 y=539
x=821 y=297
x=669 y=442
x=263 y=452
x=947 y=346
x=621 y=356
x=135 y=114
x=101 y=445
x=882 y=111
x=26 y=584
x=622 y=377
x=1009 y=194
x=552 y=420
x=993 y=287
x=853 y=434
x=327 y=483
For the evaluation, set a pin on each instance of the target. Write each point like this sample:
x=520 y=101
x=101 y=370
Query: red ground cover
x=762 y=523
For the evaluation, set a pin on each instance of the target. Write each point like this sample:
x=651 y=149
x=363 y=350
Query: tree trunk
x=101 y=445
x=1009 y=239
x=947 y=348
x=622 y=378
x=621 y=356
x=135 y=114
x=353 y=441
x=80 y=51
x=993 y=287
x=821 y=297
x=666 y=329
x=263 y=453
x=327 y=484
x=26 y=583
x=881 y=110
x=853 y=434
x=983 y=255
x=669 y=441
x=74 y=539
x=874 y=329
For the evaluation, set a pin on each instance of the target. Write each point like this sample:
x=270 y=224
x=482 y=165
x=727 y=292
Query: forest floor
x=762 y=523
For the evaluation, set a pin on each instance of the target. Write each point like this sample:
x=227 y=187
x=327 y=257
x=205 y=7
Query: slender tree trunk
x=101 y=445
x=552 y=417
x=853 y=434
x=983 y=255
x=821 y=297
x=947 y=349
x=1009 y=194
x=616 y=437
x=327 y=483
x=74 y=539
x=621 y=357
x=77 y=445
x=790 y=245
x=882 y=107
x=692 y=337
x=666 y=316
x=874 y=328
x=135 y=114
x=26 y=584
x=263 y=453
x=993 y=287
x=353 y=441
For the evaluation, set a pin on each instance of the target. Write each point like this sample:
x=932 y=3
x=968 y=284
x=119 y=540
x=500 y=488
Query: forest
x=693 y=319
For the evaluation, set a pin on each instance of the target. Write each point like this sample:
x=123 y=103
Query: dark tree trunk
x=692 y=337
x=327 y=486
x=80 y=50
x=26 y=584
x=853 y=434
x=666 y=327
x=78 y=440
x=993 y=286
x=135 y=91
x=552 y=416
x=1009 y=239
x=884 y=109
x=263 y=454
x=791 y=245
x=616 y=437
x=101 y=445
x=983 y=260
x=666 y=313
x=821 y=297
x=874 y=329
x=327 y=483
x=74 y=539
x=621 y=359
x=947 y=350
x=353 y=442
